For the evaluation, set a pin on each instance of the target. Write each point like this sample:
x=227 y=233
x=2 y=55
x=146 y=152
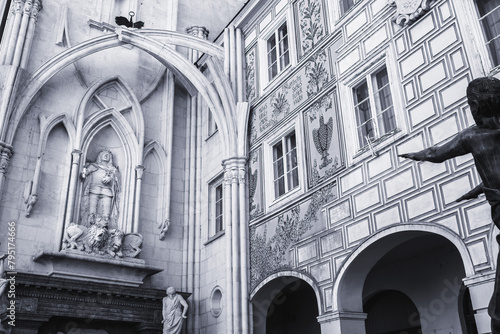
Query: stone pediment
x=76 y=265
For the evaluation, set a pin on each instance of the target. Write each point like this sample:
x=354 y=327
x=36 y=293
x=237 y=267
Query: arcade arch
x=426 y=263
x=288 y=301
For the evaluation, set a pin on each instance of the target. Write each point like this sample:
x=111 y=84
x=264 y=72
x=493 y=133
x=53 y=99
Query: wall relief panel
x=323 y=139
x=306 y=83
x=255 y=186
x=271 y=241
x=251 y=75
x=311 y=24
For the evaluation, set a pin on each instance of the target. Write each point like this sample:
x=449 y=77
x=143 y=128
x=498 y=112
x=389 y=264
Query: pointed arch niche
x=108 y=117
x=155 y=184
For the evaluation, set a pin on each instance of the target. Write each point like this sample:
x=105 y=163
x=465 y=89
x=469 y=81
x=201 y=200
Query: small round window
x=216 y=301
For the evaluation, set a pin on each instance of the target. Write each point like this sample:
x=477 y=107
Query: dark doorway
x=391 y=312
x=291 y=308
x=62 y=325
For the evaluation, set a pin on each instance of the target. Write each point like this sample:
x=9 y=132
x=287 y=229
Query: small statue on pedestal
x=174 y=312
x=483 y=141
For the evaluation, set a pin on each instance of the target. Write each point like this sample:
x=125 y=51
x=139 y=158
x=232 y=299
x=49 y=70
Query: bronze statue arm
x=451 y=149
x=474 y=193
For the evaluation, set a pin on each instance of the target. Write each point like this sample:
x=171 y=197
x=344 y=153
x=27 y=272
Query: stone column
x=139 y=171
x=481 y=288
x=16 y=16
x=23 y=30
x=74 y=177
x=244 y=246
x=342 y=322
x=8 y=29
x=236 y=243
x=228 y=227
x=37 y=6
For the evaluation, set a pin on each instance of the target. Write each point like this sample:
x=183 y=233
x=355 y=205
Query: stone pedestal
x=481 y=288
x=93 y=268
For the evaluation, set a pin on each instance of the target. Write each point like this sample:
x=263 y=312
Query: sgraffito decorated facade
x=245 y=153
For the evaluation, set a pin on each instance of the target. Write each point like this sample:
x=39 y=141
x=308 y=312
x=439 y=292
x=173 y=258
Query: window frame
x=344 y=12
x=285 y=16
x=271 y=200
x=484 y=41
x=370 y=81
x=289 y=168
x=279 y=54
x=354 y=152
x=213 y=185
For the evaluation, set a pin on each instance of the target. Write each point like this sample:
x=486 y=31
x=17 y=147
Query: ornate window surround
x=354 y=152
x=296 y=124
x=285 y=15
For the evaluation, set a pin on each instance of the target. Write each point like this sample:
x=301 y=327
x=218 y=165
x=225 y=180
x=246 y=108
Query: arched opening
x=286 y=305
x=416 y=276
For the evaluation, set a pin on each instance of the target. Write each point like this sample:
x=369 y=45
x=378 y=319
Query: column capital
x=198 y=31
x=234 y=161
x=27 y=7
x=37 y=7
x=17 y=6
x=139 y=169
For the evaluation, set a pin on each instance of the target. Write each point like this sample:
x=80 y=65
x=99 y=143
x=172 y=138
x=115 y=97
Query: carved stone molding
x=92 y=268
x=5 y=158
x=79 y=301
x=408 y=11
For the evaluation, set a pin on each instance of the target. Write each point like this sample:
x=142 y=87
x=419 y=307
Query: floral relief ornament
x=409 y=11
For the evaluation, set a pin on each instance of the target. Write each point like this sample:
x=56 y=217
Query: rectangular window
x=285 y=167
x=219 y=209
x=489 y=12
x=278 y=55
x=373 y=107
x=345 y=5
x=212 y=125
